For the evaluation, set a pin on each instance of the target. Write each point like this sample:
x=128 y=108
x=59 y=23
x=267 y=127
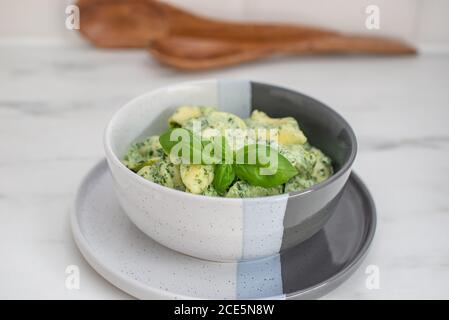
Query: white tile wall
x=433 y=23
x=31 y=18
x=342 y=15
x=423 y=22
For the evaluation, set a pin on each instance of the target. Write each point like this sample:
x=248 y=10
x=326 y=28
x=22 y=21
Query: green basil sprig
x=243 y=167
x=224 y=154
x=252 y=173
x=193 y=145
x=186 y=141
x=224 y=176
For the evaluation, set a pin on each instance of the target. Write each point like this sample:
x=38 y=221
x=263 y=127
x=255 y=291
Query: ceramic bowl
x=225 y=229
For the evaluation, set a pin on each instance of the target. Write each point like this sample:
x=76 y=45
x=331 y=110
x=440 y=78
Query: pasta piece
x=242 y=189
x=288 y=129
x=143 y=153
x=185 y=113
x=323 y=167
x=298 y=156
x=163 y=173
x=299 y=183
x=219 y=123
x=210 y=191
x=197 y=177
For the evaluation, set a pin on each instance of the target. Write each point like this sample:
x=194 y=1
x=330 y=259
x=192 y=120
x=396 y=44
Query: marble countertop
x=55 y=102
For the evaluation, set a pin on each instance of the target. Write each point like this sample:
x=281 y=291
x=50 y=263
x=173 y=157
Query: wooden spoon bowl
x=134 y=23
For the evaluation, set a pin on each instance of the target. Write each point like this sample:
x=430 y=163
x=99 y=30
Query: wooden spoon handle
x=200 y=53
x=345 y=44
x=195 y=26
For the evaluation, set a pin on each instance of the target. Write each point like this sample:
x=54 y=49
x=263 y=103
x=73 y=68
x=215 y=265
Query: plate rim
x=140 y=291
x=349 y=269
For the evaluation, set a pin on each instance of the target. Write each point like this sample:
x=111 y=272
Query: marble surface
x=55 y=102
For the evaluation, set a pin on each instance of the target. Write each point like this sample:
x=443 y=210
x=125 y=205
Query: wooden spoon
x=190 y=53
x=134 y=23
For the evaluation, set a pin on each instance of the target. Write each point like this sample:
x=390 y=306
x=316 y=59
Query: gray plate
x=135 y=263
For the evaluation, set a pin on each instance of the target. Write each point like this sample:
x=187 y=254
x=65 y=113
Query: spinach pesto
x=299 y=165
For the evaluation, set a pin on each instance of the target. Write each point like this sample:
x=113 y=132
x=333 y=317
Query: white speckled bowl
x=223 y=229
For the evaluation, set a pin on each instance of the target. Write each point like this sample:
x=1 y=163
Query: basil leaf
x=189 y=146
x=250 y=165
x=219 y=150
x=224 y=176
x=191 y=149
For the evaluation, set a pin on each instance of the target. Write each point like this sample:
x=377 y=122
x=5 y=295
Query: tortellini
x=197 y=177
x=242 y=189
x=288 y=129
x=317 y=170
x=163 y=173
x=323 y=167
x=148 y=159
x=299 y=156
x=298 y=183
x=142 y=153
x=185 y=113
x=210 y=191
x=218 y=123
